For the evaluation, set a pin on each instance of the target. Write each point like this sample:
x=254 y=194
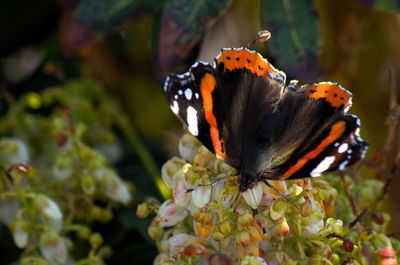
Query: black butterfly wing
x=322 y=136
x=185 y=98
x=225 y=109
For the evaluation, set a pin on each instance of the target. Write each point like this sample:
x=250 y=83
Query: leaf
x=296 y=36
x=182 y=24
x=91 y=19
x=391 y=6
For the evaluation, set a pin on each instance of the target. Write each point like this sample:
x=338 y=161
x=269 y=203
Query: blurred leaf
x=391 y=6
x=92 y=19
x=182 y=24
x=296 y=36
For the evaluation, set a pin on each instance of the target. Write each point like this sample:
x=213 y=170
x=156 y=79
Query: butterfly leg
x=280 y=193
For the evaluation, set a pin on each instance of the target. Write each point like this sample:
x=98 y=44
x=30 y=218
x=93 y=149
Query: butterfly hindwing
x=337 y=147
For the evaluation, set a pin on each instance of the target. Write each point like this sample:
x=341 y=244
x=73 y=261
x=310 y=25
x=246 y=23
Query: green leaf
x=182 y=24
x=92 y=19
x=296 y=36
x=391 y=6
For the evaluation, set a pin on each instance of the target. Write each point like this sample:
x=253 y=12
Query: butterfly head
x=247 y=180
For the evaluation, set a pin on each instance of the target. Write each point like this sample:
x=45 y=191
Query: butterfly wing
x=218 y=103
x=320 y=137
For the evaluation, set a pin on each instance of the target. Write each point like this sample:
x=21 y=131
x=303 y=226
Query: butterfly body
x=242 y=110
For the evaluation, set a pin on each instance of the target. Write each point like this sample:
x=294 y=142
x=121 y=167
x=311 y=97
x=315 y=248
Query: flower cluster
x=217 y=223
x=53 y=185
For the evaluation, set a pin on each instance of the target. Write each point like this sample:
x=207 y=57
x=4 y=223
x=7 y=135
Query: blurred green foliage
x=103 y=62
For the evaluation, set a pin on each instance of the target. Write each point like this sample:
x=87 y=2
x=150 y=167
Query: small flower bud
x=389 y=261
x=63 y=167
x=366 y=235
x=377 y=217
x=218 y=236
x=88 y=184
x=305 y=209
x=83 y=232
x=245 y=219
x=278 y=209
x=281 y=228
x=95 y=240
x=225 y=228
x=142 y=210
x=95 y=212
x=386 y=252
x=315 y=260
x=347 y=245
x=155 y=231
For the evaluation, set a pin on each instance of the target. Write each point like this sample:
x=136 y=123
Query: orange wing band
x=337 y=130
x=207 y=86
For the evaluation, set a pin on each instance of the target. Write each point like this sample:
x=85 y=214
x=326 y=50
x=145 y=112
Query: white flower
x=48 y=207
x=250 y=260
x=227 y=199
x=188 y=147
x=169 y=168
x=113 y=186
x=201 y=196
x=53 y=248
x=253 y=196
x=269 y=195
x=8 y=210
x=13 y=151
x=63 y=167
x=19 y=234
x=179 y=241
x=170 y=214
x=179 y=186
x=315 y=221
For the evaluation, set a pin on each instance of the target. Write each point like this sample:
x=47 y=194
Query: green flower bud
x=95 y=240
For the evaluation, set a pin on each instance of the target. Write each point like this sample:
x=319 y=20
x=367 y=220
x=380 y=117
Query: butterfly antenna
x=261 y=36
x=280 y=193
x=259 y=212
x=221 y=180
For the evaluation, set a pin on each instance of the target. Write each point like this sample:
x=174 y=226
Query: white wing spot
x=176 y=97
x=192 y=121
x=336 y=144
x=343 y=165
x=343 y=148
x=322 y=166
x=188 y=94
x=180 y=92
x=196 y=95
x=175 y=107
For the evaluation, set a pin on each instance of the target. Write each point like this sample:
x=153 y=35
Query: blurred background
x=117 y=52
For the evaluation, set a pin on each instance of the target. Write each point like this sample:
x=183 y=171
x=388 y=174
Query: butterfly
x=242 y=110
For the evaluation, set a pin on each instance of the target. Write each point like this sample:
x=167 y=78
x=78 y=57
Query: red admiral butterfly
x=241 y=110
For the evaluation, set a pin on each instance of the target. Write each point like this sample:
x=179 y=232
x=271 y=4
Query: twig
x=349 y=195
x=359 y=218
